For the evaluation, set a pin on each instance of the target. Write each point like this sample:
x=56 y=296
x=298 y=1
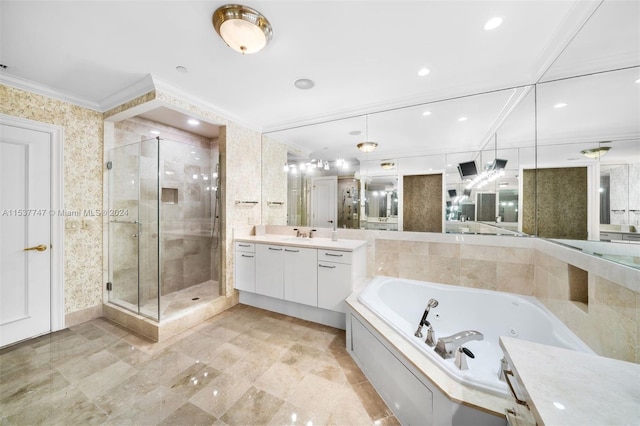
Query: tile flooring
x=245 y=366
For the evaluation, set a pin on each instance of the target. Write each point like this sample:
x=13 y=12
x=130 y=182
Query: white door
x=324 y=203
x=25 y=233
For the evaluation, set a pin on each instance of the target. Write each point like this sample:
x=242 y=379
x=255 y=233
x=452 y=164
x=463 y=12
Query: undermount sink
x=306 y=240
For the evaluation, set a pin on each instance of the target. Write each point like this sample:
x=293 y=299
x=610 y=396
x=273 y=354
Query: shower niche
x=163 y=225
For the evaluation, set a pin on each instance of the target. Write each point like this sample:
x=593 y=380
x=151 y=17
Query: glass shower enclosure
x=163 y=226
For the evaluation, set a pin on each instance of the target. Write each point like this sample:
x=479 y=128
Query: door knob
x=41 y=247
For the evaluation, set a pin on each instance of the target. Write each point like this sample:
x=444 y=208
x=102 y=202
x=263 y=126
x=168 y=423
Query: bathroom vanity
x=572 y=388
x=308 y=278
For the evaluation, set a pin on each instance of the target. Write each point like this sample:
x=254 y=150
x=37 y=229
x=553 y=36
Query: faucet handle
x=430 y=340
x=461 y=357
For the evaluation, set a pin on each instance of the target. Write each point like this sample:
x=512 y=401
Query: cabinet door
x=245 y=273
x=334 y=285
x=300 y=275
x=270 y=270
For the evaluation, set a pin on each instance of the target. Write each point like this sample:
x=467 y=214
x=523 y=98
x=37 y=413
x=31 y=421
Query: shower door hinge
x=109 y=286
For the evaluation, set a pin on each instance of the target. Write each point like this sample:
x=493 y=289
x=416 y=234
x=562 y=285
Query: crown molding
x=135 y=90
x=41 y=89
x=172 y=90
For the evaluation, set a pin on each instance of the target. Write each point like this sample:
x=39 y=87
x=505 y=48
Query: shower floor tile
x=244 y=366
x=181 y=300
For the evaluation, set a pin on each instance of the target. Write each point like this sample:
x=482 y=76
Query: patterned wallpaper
x=83 y=151
x=422 y=203
x=561 y=201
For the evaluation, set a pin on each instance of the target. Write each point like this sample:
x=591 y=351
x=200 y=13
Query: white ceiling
x=363 y=56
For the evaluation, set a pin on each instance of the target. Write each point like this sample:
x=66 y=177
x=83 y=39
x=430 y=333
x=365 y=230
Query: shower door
x=133 y=227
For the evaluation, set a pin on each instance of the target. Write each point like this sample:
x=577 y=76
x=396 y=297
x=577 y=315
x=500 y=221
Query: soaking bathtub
x=401 y=303
x=419 y=385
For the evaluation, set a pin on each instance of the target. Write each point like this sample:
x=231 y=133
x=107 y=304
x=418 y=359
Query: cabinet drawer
x=242 y=246
x=335 y=256
x=630 y=237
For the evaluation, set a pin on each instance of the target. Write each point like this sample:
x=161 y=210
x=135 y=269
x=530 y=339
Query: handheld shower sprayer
x=432 y=303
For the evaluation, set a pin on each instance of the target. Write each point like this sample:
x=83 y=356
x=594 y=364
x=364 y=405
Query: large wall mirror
x=558 y=159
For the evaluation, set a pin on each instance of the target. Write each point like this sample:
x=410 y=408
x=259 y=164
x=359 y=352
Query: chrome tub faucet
x=446 y=346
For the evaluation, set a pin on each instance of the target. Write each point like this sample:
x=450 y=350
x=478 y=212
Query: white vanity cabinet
x=245 y=266
x=309 y=279
x=300 y=279
x=270 y=270
x=335 y=279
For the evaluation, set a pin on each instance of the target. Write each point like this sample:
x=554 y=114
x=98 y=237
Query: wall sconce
x=388 y=165
x=243 y=29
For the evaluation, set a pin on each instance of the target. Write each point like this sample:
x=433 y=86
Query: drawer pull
x=244 y=245
x=275 y=249
x=292 y=251
x=334 y=255
x=245 y=255
x=325 y=266
x=508 y=373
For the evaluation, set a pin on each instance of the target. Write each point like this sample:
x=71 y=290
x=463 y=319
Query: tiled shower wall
x=187 y=171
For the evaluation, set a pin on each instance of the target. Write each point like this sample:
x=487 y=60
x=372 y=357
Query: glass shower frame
x=134 y=232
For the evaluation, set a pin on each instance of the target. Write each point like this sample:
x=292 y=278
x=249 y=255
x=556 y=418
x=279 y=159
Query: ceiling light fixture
x=595 y=153
x=243 y=29
x=426 y=113
x=462 y=119
x=493 y=23
x=560 y=105
x=423 y=72
x=367 y=146
x=388 y=165
x=638 y=80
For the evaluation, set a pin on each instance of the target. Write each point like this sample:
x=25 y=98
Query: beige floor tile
x=99 y=382
x=315 y=394
x=289 y=414
x=255 y=407
x=371 y=401
x=124 y=395
x=220 y=395
x=279 y=380
x=193 y=379
x=188 y=414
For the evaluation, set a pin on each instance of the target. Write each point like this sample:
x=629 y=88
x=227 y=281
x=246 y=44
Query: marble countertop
x=315 y=242
x=565 y=387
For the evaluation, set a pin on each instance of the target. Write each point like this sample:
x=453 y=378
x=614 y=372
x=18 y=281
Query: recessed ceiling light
x=638 y=80
x=462 y=119
x=449 y=165
x=355 y=132
x=193 y=122
x=154 y=132
x=304 y=83
x=426 y=113
x=182 y=69
x=493 y=23
x=423 y=72
x=560 y=105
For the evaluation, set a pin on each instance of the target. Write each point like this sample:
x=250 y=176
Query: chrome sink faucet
x=446 y=346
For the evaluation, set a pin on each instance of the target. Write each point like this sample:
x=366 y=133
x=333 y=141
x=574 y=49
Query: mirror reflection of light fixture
x=595 y=153
x=367 y=146
x=243 y=29
x=387 y=165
